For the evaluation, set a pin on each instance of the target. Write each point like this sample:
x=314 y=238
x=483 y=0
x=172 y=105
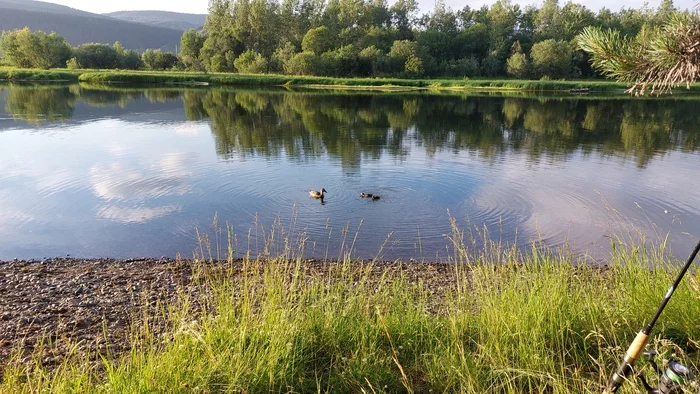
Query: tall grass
x=36 y=75
x=385 y=83
x=507 y=322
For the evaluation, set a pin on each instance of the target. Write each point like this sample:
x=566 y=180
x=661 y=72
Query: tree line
x=362 y=38
x=372 y=38
x=36 y=49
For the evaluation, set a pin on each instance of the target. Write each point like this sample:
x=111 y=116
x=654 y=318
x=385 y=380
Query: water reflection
x=351 y=126
x=557 y=168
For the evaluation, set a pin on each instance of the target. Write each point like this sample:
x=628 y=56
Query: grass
x=172 y=77
x=501 y=321
x=36 y=75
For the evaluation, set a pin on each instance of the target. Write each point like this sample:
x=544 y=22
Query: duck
x=375 y=197
x=366 y=195
x=318 y=194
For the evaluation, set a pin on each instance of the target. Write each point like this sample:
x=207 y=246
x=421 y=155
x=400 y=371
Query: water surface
x=93 y=171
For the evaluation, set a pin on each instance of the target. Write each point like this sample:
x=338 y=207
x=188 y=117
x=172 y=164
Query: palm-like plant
x=657 y=59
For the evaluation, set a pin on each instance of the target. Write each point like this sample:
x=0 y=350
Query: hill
x=172 y=20
x=80 y=27
x=41 y=6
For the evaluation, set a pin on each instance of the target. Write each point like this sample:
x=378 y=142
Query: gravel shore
x=94 y=303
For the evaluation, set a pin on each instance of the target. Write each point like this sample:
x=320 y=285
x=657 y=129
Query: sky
x=200 y=6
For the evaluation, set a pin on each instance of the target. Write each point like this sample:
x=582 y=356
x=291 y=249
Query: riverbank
x=230 y=79
x=507 y=322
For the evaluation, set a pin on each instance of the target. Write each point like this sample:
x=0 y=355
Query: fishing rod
x=676 y=373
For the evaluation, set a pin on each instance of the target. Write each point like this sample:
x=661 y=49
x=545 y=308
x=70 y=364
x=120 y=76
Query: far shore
x=231 y=79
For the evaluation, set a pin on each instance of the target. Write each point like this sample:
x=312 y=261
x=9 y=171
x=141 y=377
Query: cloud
x=136 y=214
x=126 y=181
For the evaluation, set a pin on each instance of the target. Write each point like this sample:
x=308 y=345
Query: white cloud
x=136 y=214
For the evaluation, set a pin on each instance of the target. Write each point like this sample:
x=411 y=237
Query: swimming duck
x=375 y=197
x=318 y=194
x=366 y=195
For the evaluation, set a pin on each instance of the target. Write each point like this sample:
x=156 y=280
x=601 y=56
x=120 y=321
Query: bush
x=551 y=58
x=100 y=56
x=251 y=62
x=517 y=65
x=465 y=67
x=159 y=60
x=304 y=63
x=73 y=64
x=318 y=40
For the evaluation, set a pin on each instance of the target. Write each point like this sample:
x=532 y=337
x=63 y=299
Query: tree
x=659 y=59
x=100 y=56
x=404 y=16
x=517 y=65
x=404 y=54
x=27 y=49
x=318 y=40
x=551 y=58
x=281 y=56
x=159 y=60
x=128 y=59
x=191 y=45
x=304 y=63
x=251 y=62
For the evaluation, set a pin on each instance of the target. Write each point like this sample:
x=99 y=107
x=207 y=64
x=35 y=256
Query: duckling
x=366 y=195
x=375 y=197
x=318 y=194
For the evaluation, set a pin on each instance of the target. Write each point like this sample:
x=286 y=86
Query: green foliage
x=73 y=64
x=191 y=45
x=281 y=56
x=303 y=63
x=251 y=62
x=491 y=66
x=659 y=59
x=318 y=40
x=551 y=58
x=442 y=43
x=128 y=59
x=27 y=49
x=517 y=65
x=97 y=56
x=159 y=60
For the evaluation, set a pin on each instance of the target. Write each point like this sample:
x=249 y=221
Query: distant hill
x=41 y=6
x=172 y=20
x=80 y=27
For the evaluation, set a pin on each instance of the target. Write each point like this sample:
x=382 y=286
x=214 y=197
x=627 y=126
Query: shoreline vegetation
x=500 y=320
x=232 y=79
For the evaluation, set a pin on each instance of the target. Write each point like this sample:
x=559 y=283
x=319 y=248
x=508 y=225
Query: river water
x=123 y=172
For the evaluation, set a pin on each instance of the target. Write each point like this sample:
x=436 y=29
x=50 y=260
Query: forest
x=362 y=38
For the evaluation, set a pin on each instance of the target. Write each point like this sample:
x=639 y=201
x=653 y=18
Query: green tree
x=128 y=59
x=404 y=16
x=159 y=60
x=24 y=48
x=304 y=63
x=281 y=56
x=191 y=45
x=517 y=65
x=99 y=56
x=406 y=59
x=318 y=40
x=655 y=59
x=551 y=58
x=251 y=62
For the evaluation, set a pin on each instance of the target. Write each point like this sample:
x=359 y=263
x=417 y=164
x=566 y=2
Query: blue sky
x=200 y=6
